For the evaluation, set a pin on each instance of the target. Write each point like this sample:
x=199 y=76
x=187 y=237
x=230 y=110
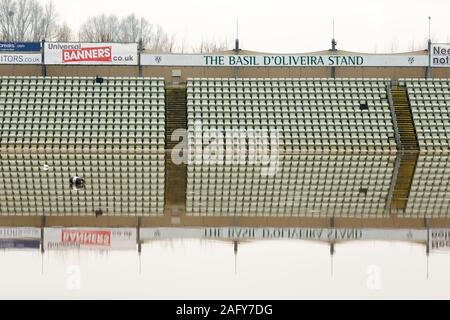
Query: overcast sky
x=284 y=26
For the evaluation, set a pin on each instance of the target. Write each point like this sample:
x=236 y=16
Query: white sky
x=284 y=26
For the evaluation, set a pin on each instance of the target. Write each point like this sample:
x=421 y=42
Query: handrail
x=394 y=118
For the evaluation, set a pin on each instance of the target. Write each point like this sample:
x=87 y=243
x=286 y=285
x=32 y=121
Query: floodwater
x=319 y=226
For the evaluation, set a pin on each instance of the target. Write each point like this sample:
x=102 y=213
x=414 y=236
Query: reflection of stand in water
x=77 y=183
x=428 y=247
x=236 y=245
x=43 y=222
x=236 y=248
x=332 y=249
x=139 y=243
x=45 y=168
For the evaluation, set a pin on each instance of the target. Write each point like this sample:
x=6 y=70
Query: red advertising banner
x=76 y=53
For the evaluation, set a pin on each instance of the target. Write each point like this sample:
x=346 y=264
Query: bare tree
x=7 y=11
x=26 y=20
x=159 y=41
x=129 y=29
x=211 y=46
x=412 y=46
x=133 y=28
x=44 y=24
x=63 y=33
x=393 y=46
x=100 y=29
x=182 y=45
x=29 y=20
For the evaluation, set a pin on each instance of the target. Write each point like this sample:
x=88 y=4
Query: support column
x=237 y=70
x=43 y=67
x=333 y=52
x=429 y=68
x=138 y=235
x=140 y=49
x=43 y=223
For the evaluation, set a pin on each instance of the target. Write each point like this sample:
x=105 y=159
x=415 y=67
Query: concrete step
x=405 y=122
x=176 y=118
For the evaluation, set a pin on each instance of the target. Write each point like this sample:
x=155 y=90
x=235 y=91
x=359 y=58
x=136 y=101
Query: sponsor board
x=91 y=53
x=315 y=234
x=89 y=238
x=20 y=58
x=285 y=60
x=20 y=46
x=440 y=55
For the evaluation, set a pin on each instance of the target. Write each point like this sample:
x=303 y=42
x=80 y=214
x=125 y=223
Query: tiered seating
x=118 y=185
x=67 y=112
x=303 y=186
x=310 y=114
x=430 y=104
x=430 y=191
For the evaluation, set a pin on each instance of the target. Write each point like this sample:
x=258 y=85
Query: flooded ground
x=319 y=226
x=193 y=269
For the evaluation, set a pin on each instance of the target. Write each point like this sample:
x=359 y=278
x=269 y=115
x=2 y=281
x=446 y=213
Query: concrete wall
x=20 y=70
x=92 y=71
x=222 y=72
x=441 y=73
x=258 y=222
x=373 y=72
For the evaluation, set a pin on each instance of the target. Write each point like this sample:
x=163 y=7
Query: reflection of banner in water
x=439 y=240
x=316 y=234
x=20 y=233
x=19 y=244
x=20 y=238
x=90 y=238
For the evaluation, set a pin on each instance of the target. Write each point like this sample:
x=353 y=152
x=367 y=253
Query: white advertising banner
x=90 y=238
x=284 y=60
x=57 y=53
x=440 y=55
x=315 y=234
x=20 y=58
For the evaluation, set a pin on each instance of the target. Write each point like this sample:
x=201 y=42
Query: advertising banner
x=284 y=60
x=89 y=238
x=440 y=55
x=20 y=58
x=315 y=234
x=20 y=46
x=91 y=53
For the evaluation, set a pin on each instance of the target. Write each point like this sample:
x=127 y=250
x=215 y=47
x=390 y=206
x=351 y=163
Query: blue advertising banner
x=20 y=46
